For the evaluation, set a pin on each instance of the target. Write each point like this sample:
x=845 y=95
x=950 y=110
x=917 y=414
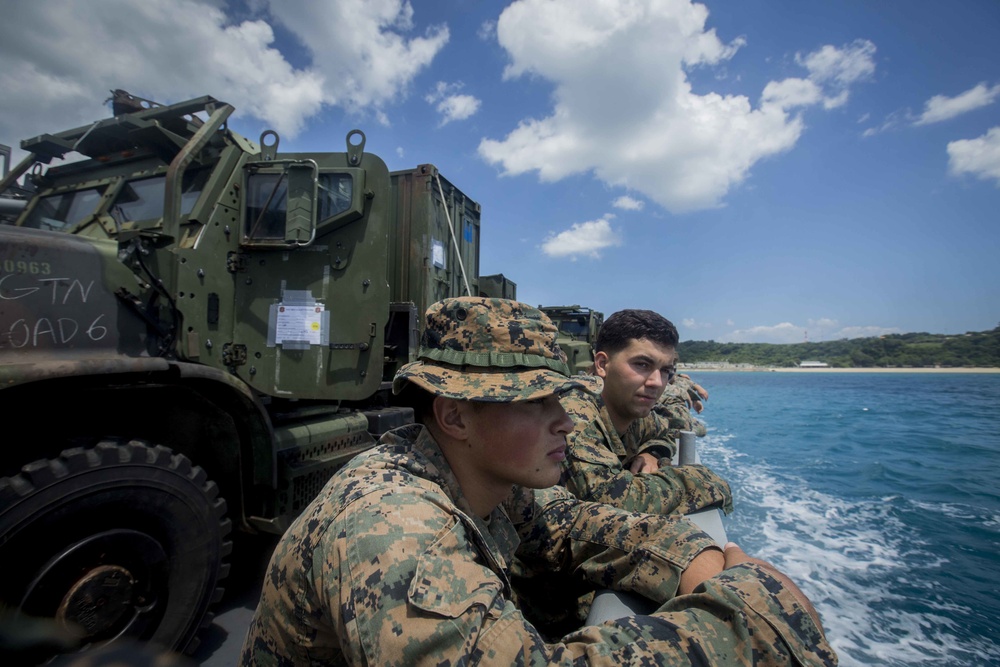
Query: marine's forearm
x=679 y=489
x=616 y=549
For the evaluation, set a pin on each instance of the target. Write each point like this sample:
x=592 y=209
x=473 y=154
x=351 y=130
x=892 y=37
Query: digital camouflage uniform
x=596 y=464
x=390 y=566
x=686 y=387
x=674 y=406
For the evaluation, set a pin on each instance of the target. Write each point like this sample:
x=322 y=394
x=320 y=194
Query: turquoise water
x=878 y=494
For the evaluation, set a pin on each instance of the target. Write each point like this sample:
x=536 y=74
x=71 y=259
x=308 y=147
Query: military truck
x=578 y=327
x=14 y=198
x=196 y=331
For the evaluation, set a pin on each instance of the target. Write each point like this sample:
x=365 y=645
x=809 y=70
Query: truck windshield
x=574 y=327
x=142 y=199
x=64 y=210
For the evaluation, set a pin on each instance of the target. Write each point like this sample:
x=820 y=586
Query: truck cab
x=196 y=332
x=578 y=327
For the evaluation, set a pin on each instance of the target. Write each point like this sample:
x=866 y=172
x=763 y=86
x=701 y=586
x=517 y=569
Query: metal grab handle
x=687 y=448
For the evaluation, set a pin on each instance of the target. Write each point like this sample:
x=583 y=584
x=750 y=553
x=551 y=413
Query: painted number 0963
x=24 y=266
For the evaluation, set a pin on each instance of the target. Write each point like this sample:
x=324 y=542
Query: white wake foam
x=850 y=558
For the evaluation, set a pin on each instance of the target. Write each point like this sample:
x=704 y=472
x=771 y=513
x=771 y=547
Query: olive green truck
x=196 y=331
x=578 y=328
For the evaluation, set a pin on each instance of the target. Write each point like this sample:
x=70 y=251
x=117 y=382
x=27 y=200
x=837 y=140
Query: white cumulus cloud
x=679 y=148
x=864 y=332
x=582 y=239
x=628 y=203
x=450 y=103
x=937 y=109
x=842 y=66
x=785 y=332
x=691 y=323
x=979 y=157
x=487 y=30
x=362 y=48
x=815 y=330
x=60 y=58
x=940 y=107
x=791 y=93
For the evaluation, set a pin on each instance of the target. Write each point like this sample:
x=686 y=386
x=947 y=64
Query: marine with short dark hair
x=620 y=449
x=403 y=558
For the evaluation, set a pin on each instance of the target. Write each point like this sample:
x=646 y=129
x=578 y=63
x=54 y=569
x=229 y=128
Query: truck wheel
x=121 y=540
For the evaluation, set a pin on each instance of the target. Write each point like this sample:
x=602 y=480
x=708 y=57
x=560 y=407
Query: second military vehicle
x=578 y=327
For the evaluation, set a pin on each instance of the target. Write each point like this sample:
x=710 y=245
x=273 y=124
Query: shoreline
x=767 y=369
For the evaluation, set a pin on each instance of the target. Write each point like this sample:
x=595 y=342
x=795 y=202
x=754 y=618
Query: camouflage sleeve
x=653 y=434
x=766 y=624
x=741 y=617
x=592 y=472
x=671 y=394
x=686 y=388
x=604 y=545
x=676 y=414
x=660 y=449
x=719 y=629
x=722 y=634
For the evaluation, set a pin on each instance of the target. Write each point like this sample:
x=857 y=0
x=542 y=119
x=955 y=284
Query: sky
x=756 y=171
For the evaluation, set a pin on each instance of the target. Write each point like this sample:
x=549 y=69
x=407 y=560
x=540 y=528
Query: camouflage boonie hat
x=490 y=350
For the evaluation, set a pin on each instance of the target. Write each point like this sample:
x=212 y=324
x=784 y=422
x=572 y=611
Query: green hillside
x=913 y=350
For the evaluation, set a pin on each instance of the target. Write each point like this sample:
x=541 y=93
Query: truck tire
x=123 y=540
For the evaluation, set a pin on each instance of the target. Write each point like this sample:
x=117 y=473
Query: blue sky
x=756 y=171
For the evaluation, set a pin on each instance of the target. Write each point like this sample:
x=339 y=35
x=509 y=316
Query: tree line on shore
x=911 y=350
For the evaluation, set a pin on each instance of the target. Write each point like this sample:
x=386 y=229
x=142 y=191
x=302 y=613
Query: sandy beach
x=765 y=369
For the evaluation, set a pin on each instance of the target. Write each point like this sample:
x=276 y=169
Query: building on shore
x=716 y=366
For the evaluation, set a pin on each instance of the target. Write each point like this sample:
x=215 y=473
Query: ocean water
x=879 y=494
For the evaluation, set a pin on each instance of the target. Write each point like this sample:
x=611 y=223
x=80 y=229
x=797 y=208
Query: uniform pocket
x=449 y=580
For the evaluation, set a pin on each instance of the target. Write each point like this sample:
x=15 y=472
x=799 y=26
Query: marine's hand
x=735 y=555
x=644 y=463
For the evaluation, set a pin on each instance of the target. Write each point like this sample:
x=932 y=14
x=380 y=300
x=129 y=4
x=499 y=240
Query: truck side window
x=335 y=192
x=267 y=201
x=63 y=211
x=142 y=199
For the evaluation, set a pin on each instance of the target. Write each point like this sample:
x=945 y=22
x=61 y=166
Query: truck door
x=311 y=295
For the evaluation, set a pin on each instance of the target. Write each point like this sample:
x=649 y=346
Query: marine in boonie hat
x=490 y=350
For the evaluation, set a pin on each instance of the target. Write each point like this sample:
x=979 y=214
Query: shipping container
x=435 y=252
